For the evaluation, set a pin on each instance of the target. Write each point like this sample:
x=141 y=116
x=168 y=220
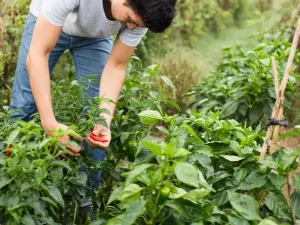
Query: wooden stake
x=271 y=128
x=279 y=106
x=275 y=75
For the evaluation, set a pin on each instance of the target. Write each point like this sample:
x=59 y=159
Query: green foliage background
x=164 y=166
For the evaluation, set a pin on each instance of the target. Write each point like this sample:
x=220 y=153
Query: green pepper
x=164 y=195
x=73 y=134
x=263 y=170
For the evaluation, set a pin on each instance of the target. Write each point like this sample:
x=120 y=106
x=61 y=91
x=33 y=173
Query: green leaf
x=187 y=174
x=44 y=142
x=170 y=148
x=132 y=189
x=13 y=135
x=189 y=129
x=239 y=175
x=198 y=223
x=49 y=201
x=173 y=104
x=150 y=117
x=124 y=137
x=28 y=220
x=135 y=172
x=5 y=180
x=230 y=108
x=254 y=180
x=295 y=204
x=269 y=163
x=79 y=179
x=297 y=182
x=204 y=160
x=189 y=210
x=232 y=158
x=98 y=222
x=135 y=209
x=13 y=201
x=277 y=180
x=168 y=81
x=266 y=61
x=176 y=193
x=156 y=148
x=180 y=152
x=205 y=150
x=203 y=182
x=116 y=220
x=221 y=198
x=196 y=195
x=277 y=203
x=163 y=130
x=237 y=221
x=195 y=141
x=245 y=205
x=267 y=222
x=2 y=162
x=61 y=163
x=115 y=194
x=54 y=193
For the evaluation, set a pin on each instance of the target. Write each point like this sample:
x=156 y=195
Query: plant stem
x=289 y=183
x=75 y=212
x=165 y=219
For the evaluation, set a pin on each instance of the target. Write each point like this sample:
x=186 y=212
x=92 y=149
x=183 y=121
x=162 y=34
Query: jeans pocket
x=30 y=22
x=30 y=16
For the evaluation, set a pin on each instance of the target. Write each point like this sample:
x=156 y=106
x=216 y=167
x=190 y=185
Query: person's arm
x=112 y=80
x=44 y=39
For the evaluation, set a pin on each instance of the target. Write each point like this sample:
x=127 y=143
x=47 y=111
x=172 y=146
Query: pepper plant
x=242 y=86
x=205 y=172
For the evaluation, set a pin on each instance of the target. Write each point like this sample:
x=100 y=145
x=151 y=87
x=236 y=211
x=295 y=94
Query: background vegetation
x=186 y=135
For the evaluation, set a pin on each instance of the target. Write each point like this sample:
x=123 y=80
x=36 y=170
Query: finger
x=64 y=156
x=73 y=148
x=73 y=154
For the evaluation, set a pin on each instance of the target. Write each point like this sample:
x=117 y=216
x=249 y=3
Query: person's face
x=124 y=14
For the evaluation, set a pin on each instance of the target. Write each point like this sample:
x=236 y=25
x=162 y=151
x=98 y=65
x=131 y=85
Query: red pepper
x=8 y=153
x=96 y=138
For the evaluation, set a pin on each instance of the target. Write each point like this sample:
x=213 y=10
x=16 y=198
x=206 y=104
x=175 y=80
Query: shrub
x=15 y=17
x=177 y=75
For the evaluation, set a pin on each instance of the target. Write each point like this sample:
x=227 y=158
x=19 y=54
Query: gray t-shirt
x=85 y=18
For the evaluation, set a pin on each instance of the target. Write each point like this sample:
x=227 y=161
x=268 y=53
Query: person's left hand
x=99 y=137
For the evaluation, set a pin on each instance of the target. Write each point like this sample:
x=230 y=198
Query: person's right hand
x=73 y=151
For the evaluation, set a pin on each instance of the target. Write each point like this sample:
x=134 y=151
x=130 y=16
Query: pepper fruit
x=164 y=195
x=8 y=153
x=96 y=138
x=263 y=169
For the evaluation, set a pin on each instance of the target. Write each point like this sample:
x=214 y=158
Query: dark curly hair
x=156 y=14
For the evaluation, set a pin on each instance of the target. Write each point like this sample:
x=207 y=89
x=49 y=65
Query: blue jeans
x=89 y=55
